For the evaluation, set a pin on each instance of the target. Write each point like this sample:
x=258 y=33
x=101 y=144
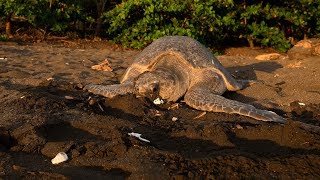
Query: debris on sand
x=174 y=119
x=297 y=64
x=270 y=56
x=69 y=97
x=158 y=101
x=100 y=107
x=60 y=157
x=157 y=113
x=137 y=135
x=238 y=126
x=305 y=48
x=50 y=79
x=200 y=115
x=154 y=112
x=304 y=43
x=175 y=105
x=104 y=66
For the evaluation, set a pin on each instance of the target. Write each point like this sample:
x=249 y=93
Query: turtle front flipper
x=205 y=100
x=111 y=91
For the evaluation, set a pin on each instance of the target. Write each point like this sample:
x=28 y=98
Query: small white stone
x=174 y=119
x=60 y=157
x=301 y=104
x=158 y=101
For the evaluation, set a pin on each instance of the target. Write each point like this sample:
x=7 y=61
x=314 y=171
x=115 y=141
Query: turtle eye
x=155 y=87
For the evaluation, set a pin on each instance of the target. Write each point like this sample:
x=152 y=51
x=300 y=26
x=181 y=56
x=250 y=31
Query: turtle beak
x=147 y=89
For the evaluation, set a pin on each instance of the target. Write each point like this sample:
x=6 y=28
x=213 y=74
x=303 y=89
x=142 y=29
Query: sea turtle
x=179 y=66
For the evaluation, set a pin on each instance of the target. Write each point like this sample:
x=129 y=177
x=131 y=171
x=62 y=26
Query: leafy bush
x=50 y=15
x=272 y=23
x=11 y=8
x=136 y=23
x=60 y=16
x=259 y=24
x=16 y=7
x=3 y=37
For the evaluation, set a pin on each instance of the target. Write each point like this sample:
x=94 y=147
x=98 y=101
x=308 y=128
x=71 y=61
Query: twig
x=100 y=107
x=200 y=115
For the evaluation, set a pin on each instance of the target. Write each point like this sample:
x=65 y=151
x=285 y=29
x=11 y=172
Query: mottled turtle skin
x=179 y=66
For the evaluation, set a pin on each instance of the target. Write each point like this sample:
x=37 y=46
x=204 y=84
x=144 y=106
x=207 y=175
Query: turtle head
x=160 y=83
x=147 y=85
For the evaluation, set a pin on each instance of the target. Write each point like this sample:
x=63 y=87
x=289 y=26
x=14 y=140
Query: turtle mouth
x=151 y=90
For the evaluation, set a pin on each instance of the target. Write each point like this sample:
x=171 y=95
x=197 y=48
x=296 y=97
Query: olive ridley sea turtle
x=177 y=66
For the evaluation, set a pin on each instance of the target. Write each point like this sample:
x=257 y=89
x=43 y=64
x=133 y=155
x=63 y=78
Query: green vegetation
x=3 y=37
x=136 y=23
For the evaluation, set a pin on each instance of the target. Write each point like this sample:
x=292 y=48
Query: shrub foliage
x=136 y=23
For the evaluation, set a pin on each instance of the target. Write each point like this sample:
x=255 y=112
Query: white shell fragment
x=158 y=101
x=301 y=104
x=137 y=135
x=60 y=157
x=174 y=119
x=69 y=97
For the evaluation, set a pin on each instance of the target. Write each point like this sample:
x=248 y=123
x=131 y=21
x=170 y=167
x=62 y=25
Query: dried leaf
x=104 y=66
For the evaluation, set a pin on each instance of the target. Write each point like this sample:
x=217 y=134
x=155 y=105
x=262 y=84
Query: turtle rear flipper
x=203 y=99
x=111 y=91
